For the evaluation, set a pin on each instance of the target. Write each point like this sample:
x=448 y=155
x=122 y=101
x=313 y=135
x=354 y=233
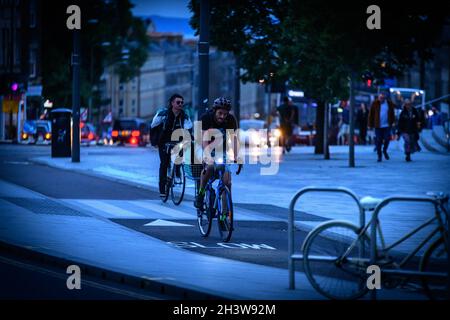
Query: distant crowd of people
x=381 y=120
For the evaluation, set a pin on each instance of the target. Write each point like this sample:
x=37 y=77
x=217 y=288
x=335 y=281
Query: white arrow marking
x=164 y=223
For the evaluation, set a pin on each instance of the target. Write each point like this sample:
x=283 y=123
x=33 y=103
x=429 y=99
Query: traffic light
x=367 y=77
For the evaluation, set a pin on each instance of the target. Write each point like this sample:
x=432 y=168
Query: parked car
x=132 y=131
x=252 y=132
x=88 y=135
x=37 y=131
x=303 y=136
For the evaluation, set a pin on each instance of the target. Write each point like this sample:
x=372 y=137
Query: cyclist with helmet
x=218 y=118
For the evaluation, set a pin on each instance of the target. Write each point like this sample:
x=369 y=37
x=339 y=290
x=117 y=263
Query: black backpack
x=156 y=132
x=155 y=135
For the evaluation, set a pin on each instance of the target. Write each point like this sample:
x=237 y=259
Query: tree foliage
x=108 y=32
x=316 y=45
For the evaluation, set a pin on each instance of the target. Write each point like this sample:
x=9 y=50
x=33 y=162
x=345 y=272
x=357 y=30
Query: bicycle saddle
x=369 y=203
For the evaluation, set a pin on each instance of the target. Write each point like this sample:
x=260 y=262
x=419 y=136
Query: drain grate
x=45 y=206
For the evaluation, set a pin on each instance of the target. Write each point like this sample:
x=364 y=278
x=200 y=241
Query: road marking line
x=156 y=206
x=165 y=223
x=110 y=209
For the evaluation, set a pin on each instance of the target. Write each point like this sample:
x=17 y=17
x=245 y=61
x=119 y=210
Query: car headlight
x=255 y=137
x=277 y=133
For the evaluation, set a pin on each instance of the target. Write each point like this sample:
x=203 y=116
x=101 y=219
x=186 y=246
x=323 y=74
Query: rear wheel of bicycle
x=178 y=184
x=205 y=215
x=329 y=273
x=225 y=215
x=169 y=182
x=435 y=260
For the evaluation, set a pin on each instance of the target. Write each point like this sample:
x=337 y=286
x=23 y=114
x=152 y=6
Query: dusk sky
x=167 y=8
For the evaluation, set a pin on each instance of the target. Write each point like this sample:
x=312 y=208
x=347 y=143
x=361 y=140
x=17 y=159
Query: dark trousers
x=382 y=137
x=363 y=134
x=164 y=158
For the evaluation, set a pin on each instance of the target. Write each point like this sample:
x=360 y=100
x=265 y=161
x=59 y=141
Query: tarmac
x=128 y=256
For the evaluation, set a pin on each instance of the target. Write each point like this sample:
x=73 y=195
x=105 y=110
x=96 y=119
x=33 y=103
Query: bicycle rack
x=291 y=256
x=373 y=230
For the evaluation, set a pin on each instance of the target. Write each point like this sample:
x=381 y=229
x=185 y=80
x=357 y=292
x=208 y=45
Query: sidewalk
x=299 y=169
x=74 y=235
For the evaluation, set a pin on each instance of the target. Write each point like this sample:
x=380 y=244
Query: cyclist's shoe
x=198 y=203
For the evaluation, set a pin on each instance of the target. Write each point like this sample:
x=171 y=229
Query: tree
x=318 y=45
x=108 y=33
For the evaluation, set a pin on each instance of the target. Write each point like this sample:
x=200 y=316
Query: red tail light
x=115 y=133
x=133 y=141
x=135 y=133
x=91 y=136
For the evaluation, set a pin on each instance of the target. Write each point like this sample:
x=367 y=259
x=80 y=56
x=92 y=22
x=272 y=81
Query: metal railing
x=293 y=257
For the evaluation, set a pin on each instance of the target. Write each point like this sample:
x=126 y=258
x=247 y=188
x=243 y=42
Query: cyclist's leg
x=207 y=173
x=164 y=164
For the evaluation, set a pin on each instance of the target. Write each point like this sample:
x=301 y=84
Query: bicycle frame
x=217 y=190
x=384 y=250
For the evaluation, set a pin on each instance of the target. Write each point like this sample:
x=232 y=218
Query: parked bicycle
x=176 y=180
x=336 y=255
x=218 y=204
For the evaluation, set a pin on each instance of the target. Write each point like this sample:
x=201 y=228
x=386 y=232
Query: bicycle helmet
x=222 y=103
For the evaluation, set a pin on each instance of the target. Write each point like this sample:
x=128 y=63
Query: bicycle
x=336 y=255
x=176 y=180
x=213 y=208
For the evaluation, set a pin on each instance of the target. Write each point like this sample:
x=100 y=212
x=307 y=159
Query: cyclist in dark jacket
x=169 y=120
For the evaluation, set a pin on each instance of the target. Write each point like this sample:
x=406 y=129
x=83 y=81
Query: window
x=133 y=102
x=32 y=63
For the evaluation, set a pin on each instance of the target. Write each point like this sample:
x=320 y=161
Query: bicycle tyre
x=225 y=226
x=169 y=182
x=434 y=289
x=351 y=277
x=206 y=214
x=177 y=196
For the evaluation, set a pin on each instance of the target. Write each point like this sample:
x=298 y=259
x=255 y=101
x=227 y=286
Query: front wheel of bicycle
x=330 y=272
x=225 y=215
x=435 y=260
x=178 y=184
x=205 y=215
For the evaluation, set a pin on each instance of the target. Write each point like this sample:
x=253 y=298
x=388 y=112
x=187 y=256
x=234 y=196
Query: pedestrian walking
x=382 y=118
x=408 y=127
x=362 y=118
x=344 y=121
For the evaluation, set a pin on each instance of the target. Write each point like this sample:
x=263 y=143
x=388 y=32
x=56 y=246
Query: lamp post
x=76 y=97
x=203 y=55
